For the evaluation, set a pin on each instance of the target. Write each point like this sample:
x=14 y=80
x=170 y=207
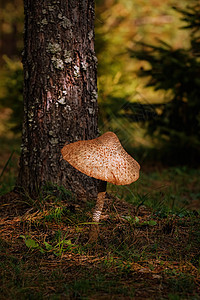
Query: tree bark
x=60 y=92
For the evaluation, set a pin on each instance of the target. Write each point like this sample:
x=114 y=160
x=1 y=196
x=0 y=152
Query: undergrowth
x=148 y=245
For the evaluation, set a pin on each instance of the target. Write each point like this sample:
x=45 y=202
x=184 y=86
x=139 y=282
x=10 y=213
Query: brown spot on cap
x=103 y=158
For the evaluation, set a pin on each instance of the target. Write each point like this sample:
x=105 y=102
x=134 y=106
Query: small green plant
x=180 y=283
x=136 y=221
x=62 y=245
x=30 y=243
x=55 y=214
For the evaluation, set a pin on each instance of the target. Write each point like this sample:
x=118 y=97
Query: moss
x=57 y=63
x=44 y=21
x=51 y=8
x=67 y=56
x=76 y=71
x=53 y=141
x=94 y=95
x=54 y=48
x=68 y=107
x=90 y=35
x=51 y=133
x=65 y=22
x=30 y=116
x=91 y=110
x=62 y=100
x=84 y=65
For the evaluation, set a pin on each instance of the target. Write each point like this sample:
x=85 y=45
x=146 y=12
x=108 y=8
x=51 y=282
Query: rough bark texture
x=60 y=92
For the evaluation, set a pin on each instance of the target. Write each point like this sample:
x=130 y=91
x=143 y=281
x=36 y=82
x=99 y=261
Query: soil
x=135 y=258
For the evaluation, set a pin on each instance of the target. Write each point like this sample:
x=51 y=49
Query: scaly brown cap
x=103 y=158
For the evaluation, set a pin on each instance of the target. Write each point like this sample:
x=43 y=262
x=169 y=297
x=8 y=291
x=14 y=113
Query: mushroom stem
x=96 y=217
x=98 y=207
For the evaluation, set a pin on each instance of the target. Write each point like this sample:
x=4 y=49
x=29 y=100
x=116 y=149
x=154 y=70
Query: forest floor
x=148 y=245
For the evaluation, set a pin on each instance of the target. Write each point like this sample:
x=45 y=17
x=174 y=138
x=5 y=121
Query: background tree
x=11 y=28
x=60 y=93
x=176 y=122
x=119 y=24
x=11 y=75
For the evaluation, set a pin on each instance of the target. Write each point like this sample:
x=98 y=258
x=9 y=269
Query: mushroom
x=103 y=158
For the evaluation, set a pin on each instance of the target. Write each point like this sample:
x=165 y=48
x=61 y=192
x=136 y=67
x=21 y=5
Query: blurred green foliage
x=124 y=102
x=12 y=97
x=176 y=122
x=11 y=28
x=11 y=75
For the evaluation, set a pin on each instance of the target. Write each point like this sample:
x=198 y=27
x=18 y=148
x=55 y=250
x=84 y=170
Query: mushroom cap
x=103 y=158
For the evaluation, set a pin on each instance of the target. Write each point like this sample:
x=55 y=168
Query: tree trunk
x=60 y=92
